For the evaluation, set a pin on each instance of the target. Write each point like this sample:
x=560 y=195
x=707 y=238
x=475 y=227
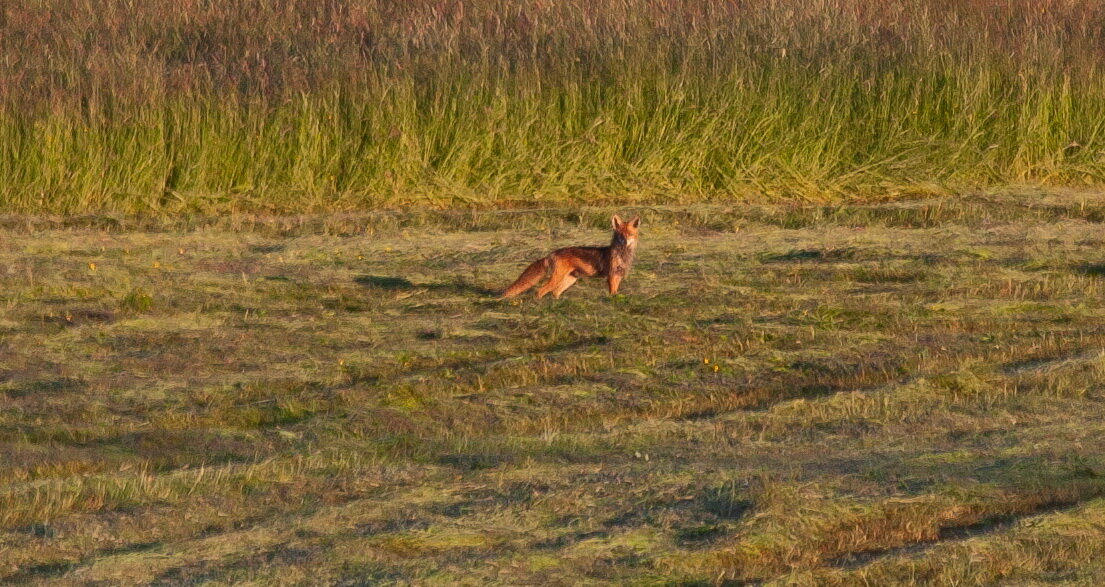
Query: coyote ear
x=616 y=221
x=635 y=222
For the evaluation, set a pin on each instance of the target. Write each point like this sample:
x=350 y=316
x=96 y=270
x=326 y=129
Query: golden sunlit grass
x=169 y=107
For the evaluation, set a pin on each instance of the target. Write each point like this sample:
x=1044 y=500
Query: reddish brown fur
x=569 y=264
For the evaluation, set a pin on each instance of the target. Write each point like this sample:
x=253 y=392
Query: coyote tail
x=529 y=277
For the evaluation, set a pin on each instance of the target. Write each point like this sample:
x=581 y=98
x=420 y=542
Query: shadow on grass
x=390 y=283
x=1033 y=485
x=55 y=569
x=1091 y=269
x=991 y=524
x=809 y=255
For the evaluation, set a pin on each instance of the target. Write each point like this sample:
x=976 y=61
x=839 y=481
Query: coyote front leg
x=612 y=282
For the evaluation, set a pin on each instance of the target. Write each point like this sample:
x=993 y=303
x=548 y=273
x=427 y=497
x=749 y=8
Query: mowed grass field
x=898 y=393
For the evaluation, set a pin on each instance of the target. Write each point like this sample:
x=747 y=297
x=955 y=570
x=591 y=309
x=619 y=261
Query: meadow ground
x=907 y=392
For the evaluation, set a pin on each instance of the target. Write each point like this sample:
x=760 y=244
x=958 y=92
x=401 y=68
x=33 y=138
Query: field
x=901 y=392
x=171 y=107
x=250 y=252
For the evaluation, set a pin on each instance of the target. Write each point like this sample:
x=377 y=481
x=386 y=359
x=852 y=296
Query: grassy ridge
x=177 y=106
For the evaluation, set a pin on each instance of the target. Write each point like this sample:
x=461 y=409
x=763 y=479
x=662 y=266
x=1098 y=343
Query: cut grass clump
x=136 y=301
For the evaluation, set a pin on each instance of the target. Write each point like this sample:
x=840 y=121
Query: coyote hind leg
x=559 y=273
x=568 y=281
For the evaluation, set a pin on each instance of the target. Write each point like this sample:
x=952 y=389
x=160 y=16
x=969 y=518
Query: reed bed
x=192 y=106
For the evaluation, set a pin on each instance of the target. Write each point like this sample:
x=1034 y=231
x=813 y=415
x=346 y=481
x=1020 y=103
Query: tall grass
x=169 y=106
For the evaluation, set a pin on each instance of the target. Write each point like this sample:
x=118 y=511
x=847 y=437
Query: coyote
x=569 y=264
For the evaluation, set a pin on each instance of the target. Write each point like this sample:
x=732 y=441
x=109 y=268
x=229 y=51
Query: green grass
x=166 y=108
x=879 y=394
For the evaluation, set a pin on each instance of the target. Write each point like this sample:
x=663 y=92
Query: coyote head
x=625 y=232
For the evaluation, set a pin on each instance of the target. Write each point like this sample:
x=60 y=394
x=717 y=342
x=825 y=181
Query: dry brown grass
x=166 y=108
